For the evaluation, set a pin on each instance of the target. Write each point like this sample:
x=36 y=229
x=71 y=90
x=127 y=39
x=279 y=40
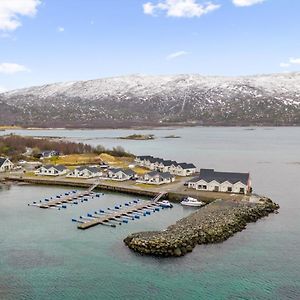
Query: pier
x=103 y=218
x=69 y=197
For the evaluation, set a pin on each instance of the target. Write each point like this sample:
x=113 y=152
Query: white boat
x=165 y=204
x=189 y=201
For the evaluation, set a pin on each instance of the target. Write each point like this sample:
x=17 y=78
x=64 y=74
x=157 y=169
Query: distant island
x=172 y=136
x=138 y=137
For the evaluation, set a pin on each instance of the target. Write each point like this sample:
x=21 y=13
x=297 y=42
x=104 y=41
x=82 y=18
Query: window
x=202 y=187
x=229 y=189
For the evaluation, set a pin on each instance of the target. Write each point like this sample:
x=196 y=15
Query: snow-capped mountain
x=153 y=100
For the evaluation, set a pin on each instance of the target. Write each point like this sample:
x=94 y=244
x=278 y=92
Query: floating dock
x=103 y=218
x=67 y=198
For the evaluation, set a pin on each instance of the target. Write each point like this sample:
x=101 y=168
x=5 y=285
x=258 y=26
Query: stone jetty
x=213 y=223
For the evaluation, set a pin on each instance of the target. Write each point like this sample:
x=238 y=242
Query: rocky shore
x=213 y=223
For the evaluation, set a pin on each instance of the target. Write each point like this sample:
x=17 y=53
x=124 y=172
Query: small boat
x=165 y=204
x=189 y=201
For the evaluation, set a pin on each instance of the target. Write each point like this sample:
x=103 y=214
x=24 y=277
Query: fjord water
x=44 y=256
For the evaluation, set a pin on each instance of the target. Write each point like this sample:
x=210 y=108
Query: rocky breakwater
x=213 y=223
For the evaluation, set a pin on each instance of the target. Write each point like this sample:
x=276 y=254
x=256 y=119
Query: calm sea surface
x=44 y=256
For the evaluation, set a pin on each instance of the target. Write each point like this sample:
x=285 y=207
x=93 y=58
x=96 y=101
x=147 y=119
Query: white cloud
x=247 y=2
x=11 y=10
x=60 y=29
x=11 y=68
x=176 y=54
x=295 y=61
x=180 y=8
x=284 y=65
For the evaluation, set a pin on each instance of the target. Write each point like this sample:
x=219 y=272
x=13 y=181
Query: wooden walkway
x=117 y=215
x=68 y=198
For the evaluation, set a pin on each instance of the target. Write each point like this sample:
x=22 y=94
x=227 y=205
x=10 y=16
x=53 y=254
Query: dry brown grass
x=3 y=127
x=147 y=186
x=140 y=170
x=75 y=159
x=119 y=162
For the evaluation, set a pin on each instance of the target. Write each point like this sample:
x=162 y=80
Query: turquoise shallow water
x=44 y=256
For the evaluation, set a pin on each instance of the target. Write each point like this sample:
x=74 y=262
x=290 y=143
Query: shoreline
x=155 y=127
x=173 y=194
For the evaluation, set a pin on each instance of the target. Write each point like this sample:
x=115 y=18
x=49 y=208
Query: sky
x=46 y=41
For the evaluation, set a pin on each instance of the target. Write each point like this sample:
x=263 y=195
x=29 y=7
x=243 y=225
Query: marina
x=42 y=246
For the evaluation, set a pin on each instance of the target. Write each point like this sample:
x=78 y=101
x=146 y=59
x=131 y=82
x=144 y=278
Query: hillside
x=157 y=100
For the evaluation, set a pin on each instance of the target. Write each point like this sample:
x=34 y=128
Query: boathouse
x=51 y=170
x=211 y=180
x=85 y=172
x=156 y=177
x=121 y=174
x=5 y=164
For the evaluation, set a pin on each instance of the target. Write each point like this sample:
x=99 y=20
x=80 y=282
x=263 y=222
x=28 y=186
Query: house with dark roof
x=49 y=153
x=85 y=172
x=230 y=182
x=183 y=169
x=166 y=165
x=141 y=160
x=51 y=170
x=121 y=174
x=162 y=165
x=5 y=164
x=155 y=177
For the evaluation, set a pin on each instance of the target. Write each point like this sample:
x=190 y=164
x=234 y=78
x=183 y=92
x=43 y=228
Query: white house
x=210 y=180
x=156 y=177
x=121 y=174
x=5 y=164
x=51 y=170
x=141 y=160
x=49 y=153
x=166 y=165
x=85 y=172
x=183 y=169
x=159 y=164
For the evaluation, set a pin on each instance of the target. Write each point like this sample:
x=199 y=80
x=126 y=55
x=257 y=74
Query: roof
x=168 y=163
x=187 y=166
x=125 y=171
x=144 y=157
x=57 y=167
x=165 y=175
x=210 y=174
x=91 y=169
x=155 y=159
x=2 y=160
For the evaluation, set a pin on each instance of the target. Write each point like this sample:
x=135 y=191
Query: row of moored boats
x=188 y=201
